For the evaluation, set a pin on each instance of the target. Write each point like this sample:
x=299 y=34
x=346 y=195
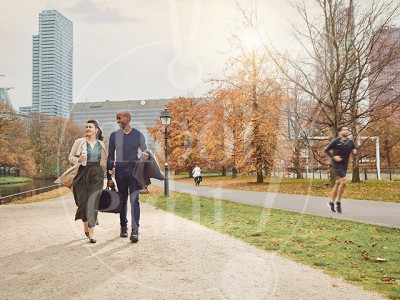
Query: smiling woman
x=87 y=175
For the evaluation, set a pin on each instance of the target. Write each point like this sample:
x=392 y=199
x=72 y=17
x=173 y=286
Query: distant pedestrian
x=197 y=175
x=86 y=177
x=342 y=147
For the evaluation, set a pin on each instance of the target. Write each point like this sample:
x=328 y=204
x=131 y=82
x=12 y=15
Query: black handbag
x=110 y=201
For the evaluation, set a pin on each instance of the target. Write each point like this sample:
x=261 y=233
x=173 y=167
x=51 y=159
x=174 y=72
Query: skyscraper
x=52 y=64
x=385 y=66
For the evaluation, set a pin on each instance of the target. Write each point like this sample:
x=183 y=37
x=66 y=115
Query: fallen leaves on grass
x=364 y=255
x=43 y=196
x=388 y=279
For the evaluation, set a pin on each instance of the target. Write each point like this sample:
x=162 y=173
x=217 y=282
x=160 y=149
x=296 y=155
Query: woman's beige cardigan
x=73 y=157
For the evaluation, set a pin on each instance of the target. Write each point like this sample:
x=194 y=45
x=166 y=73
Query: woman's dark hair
x=99 y=134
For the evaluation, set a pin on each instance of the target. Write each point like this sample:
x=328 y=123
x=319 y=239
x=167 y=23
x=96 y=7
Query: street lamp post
x=165 y=118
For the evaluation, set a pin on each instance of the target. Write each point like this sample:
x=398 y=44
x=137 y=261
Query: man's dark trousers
x=128 y=185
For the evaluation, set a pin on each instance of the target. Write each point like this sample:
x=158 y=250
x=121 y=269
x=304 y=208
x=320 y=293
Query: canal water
x=9 y=189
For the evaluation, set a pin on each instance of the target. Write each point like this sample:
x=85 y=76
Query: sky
x=132 y=49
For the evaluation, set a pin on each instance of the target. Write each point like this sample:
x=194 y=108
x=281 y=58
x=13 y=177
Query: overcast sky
x=131 y=49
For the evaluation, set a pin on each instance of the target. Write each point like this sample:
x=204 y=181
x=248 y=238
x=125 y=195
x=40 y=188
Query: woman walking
x=89 y=156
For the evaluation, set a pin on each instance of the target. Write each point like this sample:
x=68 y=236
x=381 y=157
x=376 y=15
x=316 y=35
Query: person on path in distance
x=342 y=147
x=89 y=156
x=197 y=175
x=123 y=155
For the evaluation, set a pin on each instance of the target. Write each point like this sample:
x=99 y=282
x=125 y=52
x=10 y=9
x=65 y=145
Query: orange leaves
x=14 y=142
x=185 y=133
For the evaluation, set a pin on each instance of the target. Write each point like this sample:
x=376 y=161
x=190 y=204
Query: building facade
x=144 y=113
x=25 y=110
x=4 y=95
x=385 y=59
x=52 y=61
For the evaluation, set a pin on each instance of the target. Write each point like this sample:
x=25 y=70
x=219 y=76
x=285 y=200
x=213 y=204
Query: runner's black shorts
x=340 y=170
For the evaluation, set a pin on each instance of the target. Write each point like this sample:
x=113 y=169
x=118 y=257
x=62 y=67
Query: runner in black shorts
x=342 y=147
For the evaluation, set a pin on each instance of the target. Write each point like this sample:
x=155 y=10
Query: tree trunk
x=296 y=163
x=223 y=171
x=190 y=168
x=260 y=178
x=234 y=172
x=356 y=170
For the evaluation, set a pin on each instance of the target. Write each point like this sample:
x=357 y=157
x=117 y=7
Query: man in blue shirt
x=342 y=147
x=123 y=150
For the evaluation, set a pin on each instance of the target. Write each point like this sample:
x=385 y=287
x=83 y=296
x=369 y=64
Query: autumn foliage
x=14 y=142
x=37 y=144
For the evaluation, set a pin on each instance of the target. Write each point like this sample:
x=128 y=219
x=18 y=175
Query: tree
x=225 y=136
x=14 y=142
x=185 y=130
x=249 y=73
x=51 y=139
x=341 y=64
x=59 y=134
x=388 y=130
x=298 y=126
x=37 y=141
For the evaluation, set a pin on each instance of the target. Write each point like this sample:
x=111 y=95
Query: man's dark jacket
x=146 y=169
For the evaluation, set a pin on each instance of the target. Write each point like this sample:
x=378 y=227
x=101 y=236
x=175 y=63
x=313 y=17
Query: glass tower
x=52 y=64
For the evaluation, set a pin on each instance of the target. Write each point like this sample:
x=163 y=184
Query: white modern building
x=25 y=110
x=52 y=65
x=4 y=96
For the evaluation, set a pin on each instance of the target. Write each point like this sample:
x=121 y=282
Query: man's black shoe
x=338 y=207
x=134 y=236
x=331 y=206
x=124 y=232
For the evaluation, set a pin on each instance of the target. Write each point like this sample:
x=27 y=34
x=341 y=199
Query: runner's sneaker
x=331 y=206
x=338 y=207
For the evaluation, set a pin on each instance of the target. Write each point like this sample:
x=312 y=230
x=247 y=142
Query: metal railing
x=30 y=193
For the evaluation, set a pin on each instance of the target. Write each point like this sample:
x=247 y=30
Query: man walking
x=342 y=147
x=122 y=158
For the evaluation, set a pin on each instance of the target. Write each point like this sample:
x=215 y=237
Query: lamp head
x=165 y=117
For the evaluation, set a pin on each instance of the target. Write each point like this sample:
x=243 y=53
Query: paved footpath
x=45 y=255
x=372 y=212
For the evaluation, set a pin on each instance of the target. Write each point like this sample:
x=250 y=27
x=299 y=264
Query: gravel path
x=44 y=255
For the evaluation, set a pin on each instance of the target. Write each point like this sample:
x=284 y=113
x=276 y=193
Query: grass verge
x=362 y=254
x=378 y=190
x=12 y=180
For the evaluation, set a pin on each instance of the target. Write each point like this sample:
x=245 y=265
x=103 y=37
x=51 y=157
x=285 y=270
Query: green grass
x=378 y=190
x=12 y=180
x=341 y=248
